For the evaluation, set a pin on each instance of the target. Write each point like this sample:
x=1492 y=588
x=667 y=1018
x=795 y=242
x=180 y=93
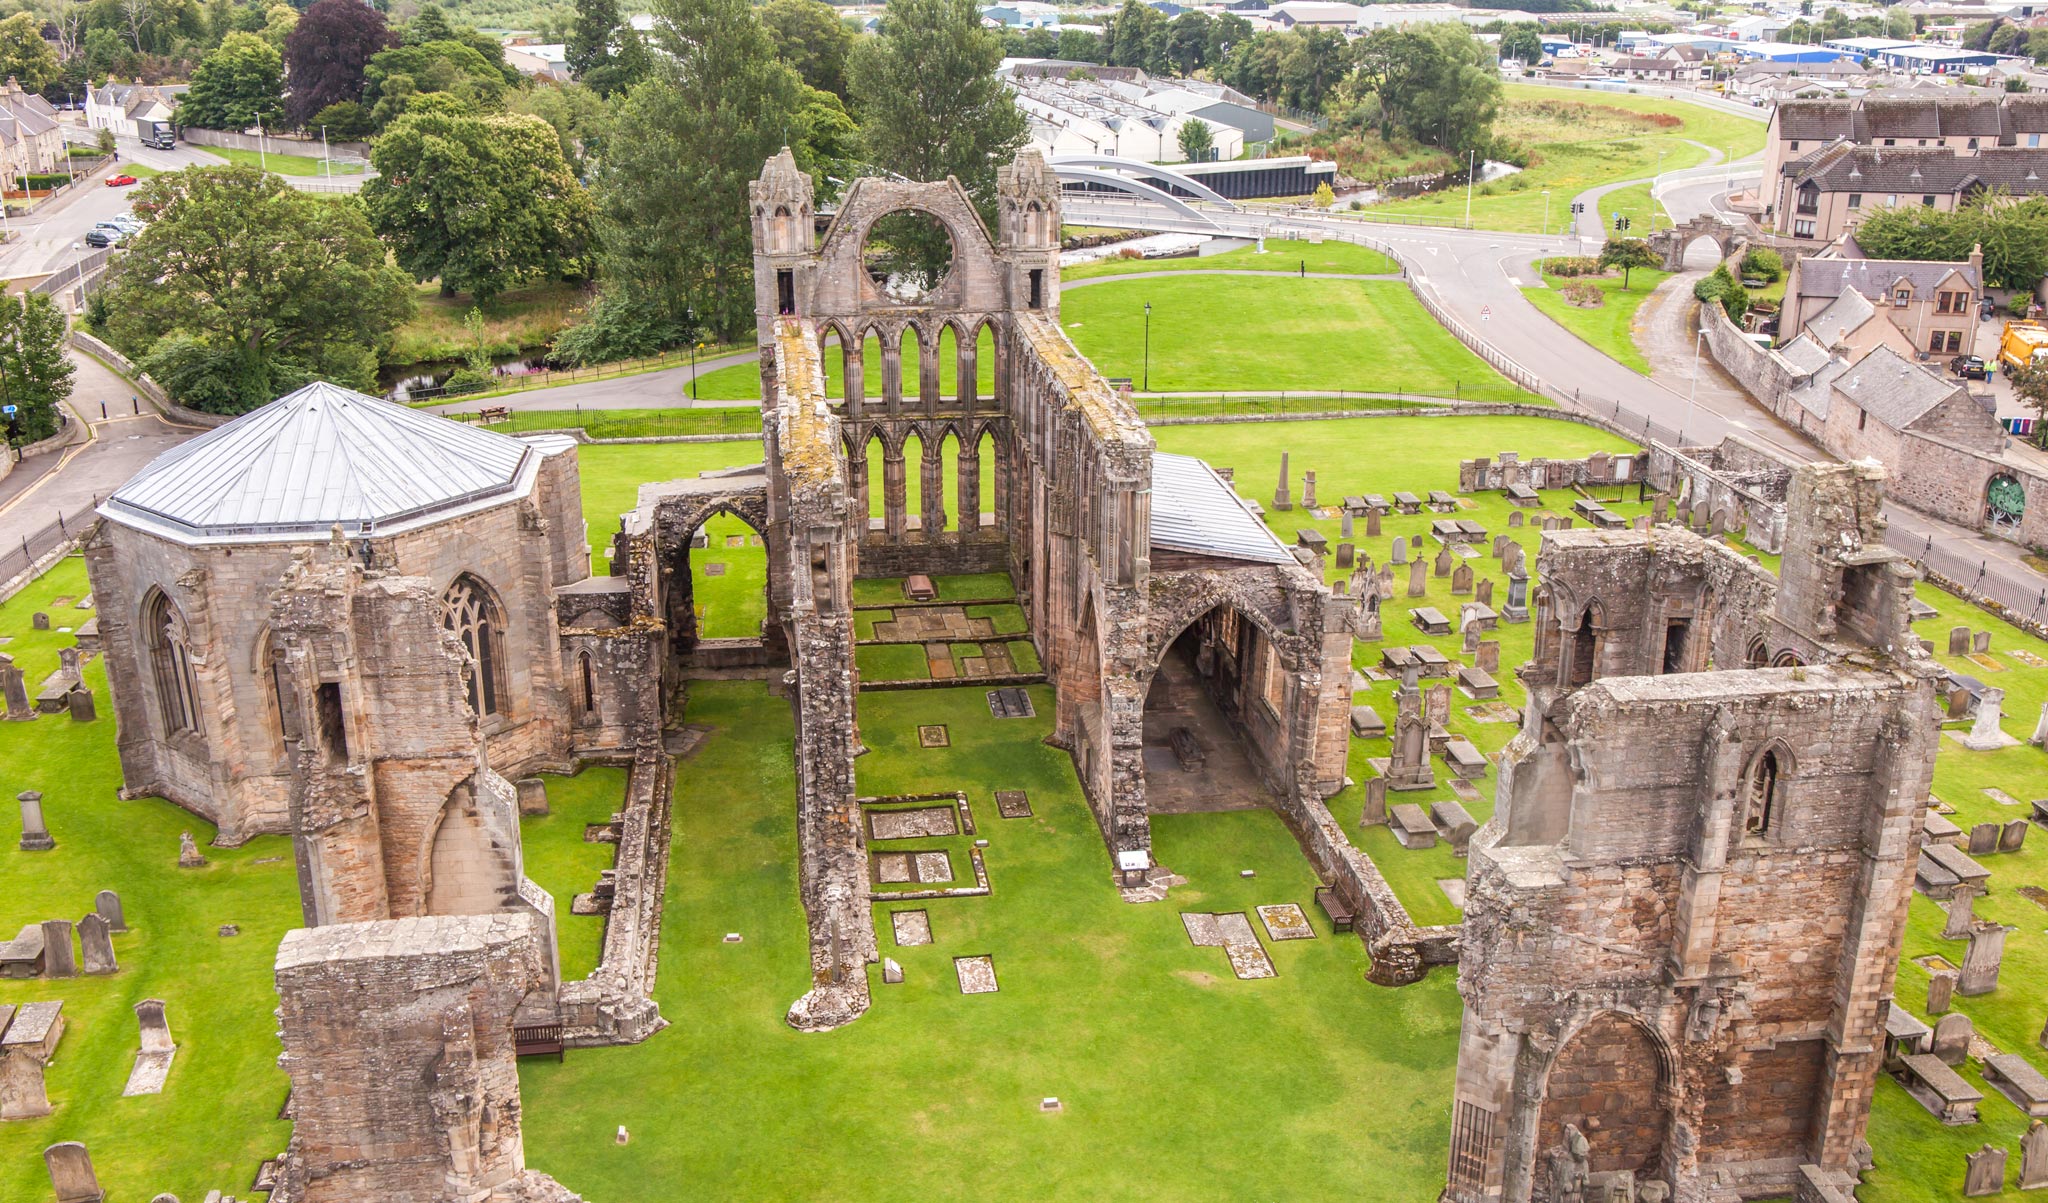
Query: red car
x=120 y=181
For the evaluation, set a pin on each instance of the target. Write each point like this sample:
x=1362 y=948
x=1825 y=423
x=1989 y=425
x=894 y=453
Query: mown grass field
x=1611 y=327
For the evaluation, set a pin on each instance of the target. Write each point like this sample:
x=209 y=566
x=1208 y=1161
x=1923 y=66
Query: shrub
x=41 y=180
x=1573 y=265
x=1584 y=295
x=2019 y=303
x=1763 y=263
x=344 y=121
x=465 y=380
x=1723 y=287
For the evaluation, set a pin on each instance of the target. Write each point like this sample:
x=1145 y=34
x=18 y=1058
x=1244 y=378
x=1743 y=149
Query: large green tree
x=35 y=373
x=590 y=36
x=1433 y=83
x=2014 y=235
x=483 y=203
x=25 y=55
x=393 y=77
x=671 y=187
x=929 y=100
x=243 y=288
x=810 y=36
x=239 y=84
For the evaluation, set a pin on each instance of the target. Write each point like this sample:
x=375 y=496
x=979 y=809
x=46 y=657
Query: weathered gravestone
x=79 y=702
x=39 y=620
x=1461 y=580
x=1952 y=1035
x=1984 y=839
x=14 y=690
x=1443 y=562
x=1308 y=489
x=1981 y=960
x=2034 y=1157
x=2013 y=836
x=1514 y=517
x=96 y=944
x=58 y=958
x=1941 y=986
x=1487 y=656
x=1980 y=641
x=1418 y=579
x=1959 y=641
x=1281 y=500
x=1372 y=523
x=1375 y=802
x=153 y=1059
x=1483 y=594
x=1517 y=607
x=107 y=904
x=1501 y=543
x=35 y=836
x=1344 y=529
x=1400 y=552
x=1960 y=920
x=71 y=1174
x=188 y=852
x=1984 y=1172
x=533 y=796
x=1346 y=553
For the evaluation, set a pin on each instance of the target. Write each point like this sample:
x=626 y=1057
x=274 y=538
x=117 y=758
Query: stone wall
x=399 y=1042
x=615 y=1004
x=1739 y=480
x=1601 y=469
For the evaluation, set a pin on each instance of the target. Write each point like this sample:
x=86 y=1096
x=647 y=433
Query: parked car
x=127 y=221
x=98 y=237
x=120 y=181
x=1969 y=367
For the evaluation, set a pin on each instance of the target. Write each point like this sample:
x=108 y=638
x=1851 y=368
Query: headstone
x=1418 y=578
x=1487 y=657
x=108 y=906
x=1372 y=524
x=1375 y=802
x=533 y=796
x=1501 y=543
x=39 y=620
x=1952 y=1038
x=2034 y=1157
x=1461 y=580
x=35 y=837
x=1344 y=530
x=1409 y=766
x=1400 y=553
x=14 y=689
x=1281 y=501
x=1517 y=607
x=1980 y=960
x=1346 y=555
x=2040 y=737
x=1443 y=562
x=892 y=973
x=1985 y=1172
x=1980 y=641
x=1483 y=594
x=80 y=703
x=1959 y=641
x=1960 y=920
x=1941 y=987
x=1514 y=518
x=1471 y=644
x=1660 y=510
x=59 y=960
x=2013 y=836
x=188 y=852
x=1308 y=489
x=97 y=945
x=156 y=1030
x=1983 y=839
x=1436 y=705
x=71 y=1173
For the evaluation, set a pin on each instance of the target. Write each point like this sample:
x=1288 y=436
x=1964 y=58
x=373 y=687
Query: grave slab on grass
x=933 y=735
x=933 y=866
x=925 y=822
x=977 y=974
x=1249 y=961
x=1009 y=703
x=1412 y=828
x=1454 y=889
x=1284 y=921
x=1430 y=620
x=911 y=928
x=1013 y=804
x=2012 y=1076
x=1201 y=929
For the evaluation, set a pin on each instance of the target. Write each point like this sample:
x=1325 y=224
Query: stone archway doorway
x=1196 y=753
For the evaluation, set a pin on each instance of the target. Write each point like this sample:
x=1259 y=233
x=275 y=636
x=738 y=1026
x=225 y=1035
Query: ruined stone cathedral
x=357 y=625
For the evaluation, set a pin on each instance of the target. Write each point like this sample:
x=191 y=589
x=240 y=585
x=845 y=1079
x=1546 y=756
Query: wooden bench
x=542 y=1041
x=1341 y=916
x=494 y=413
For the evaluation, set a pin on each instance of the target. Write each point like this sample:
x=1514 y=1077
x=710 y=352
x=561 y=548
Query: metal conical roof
x=319 y=457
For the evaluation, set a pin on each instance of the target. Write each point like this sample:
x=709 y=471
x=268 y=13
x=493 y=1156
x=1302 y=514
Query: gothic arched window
x=1765 y=789
x=170 y=661
x=469 y=610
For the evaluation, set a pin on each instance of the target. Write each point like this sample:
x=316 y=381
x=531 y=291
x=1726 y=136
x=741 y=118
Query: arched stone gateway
x=1672 y=243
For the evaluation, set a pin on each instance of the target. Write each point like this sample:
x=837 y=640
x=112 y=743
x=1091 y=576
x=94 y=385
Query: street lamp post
x=1148 y=346
x=695 y=346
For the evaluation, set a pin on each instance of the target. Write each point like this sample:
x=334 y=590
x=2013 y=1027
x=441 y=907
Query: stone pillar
x=931 y=487
x=967 y=502
x=967 y=371
x=892 y=377
x=858 y=507
x=895 y=505
x=854 y=380
x=1281 y=500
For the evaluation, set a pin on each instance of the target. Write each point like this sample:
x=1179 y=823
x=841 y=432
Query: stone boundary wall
x=614 y=1004
x=1401 y=952
x=145 y=388
x=1717 y=486
x=1767 y=375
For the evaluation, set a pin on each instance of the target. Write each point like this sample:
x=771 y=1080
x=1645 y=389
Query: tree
x=1721 y=286
x=1325 y=196
x=1627 y=254
x=484 y=203
x=931 y=103
x=24 y=54
x=394 y=76
x=2013 y=235
x=1431 y=83
x=431 y=25
x=590 y=36
x=1188 y=39
x=1137 y=38
x=35 y=373
x=1196 y=140
x=580 y=118
x=2007 y=39
x=342 y=121
x=1522 y=44
x=671 y=187
x=2030 y=384
x=243 y=288
x=326 y=54
x=809 y=36
x=239 y=84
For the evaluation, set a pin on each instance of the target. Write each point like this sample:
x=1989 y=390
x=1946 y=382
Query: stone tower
x=1684 y=919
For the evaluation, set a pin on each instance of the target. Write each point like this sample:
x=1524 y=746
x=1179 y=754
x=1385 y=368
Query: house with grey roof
x=1826 y=194
x=1901 y=119
x=126 y=108
x=1859 y=304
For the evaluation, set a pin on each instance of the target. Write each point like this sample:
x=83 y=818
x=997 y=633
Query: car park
x=98 y=237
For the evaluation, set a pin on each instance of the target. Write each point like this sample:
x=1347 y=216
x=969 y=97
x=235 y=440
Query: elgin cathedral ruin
x=376 y=633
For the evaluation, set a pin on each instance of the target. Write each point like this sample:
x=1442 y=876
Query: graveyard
x=1084 y=984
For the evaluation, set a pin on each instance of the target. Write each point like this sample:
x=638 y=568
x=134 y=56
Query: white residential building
x=120 y=107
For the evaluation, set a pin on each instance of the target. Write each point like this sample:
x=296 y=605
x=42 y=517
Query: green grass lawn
x=521 y=320
x=934 y=1094
x=1611 y=327
x=563 y=863
x=1344 y=257
x=283 y=164
x=1576 y=147
x=217 y=1116
x=1363 y=336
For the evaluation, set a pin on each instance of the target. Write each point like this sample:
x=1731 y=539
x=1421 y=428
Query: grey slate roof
x=1893 y=389
x=1846 y=313
x=319 y=457
x=1822 y=277
x=2020 y=170
x=1195 y=510
x=1804 y=353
